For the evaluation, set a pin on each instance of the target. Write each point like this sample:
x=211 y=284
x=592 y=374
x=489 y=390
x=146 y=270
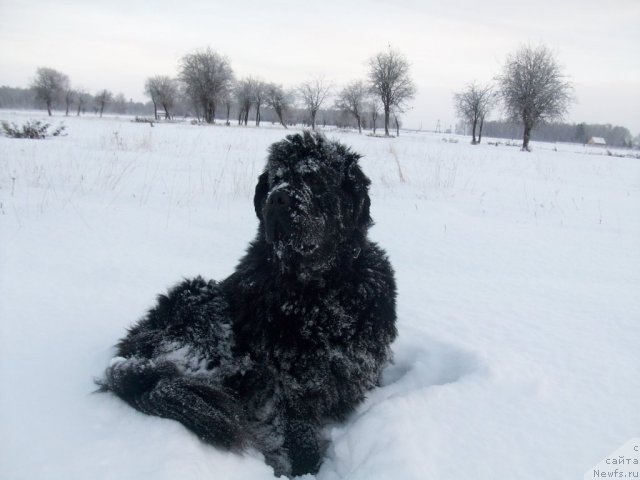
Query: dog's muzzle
x=277 y=216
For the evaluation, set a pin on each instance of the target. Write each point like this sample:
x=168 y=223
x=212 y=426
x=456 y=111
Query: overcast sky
x=118 y=44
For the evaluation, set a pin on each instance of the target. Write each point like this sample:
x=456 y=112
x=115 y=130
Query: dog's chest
x=315 y=318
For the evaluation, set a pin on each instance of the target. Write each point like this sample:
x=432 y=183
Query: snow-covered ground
x=519 y=300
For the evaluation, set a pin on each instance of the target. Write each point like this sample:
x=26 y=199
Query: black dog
x=294 y=338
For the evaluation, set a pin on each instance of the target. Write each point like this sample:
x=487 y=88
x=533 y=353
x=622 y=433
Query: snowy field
x=519 y=300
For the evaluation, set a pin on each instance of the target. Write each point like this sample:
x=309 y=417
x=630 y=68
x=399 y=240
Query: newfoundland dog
x=293 y=339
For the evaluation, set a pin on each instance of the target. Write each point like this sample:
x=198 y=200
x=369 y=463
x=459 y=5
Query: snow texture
x=518 y=281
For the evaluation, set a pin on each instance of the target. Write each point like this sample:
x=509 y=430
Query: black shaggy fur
x=293 y=339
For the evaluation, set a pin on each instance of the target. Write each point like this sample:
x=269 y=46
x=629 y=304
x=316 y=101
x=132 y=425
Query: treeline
x=614 y=135
x=532 y=90
x=206 y=87
x=25 y=99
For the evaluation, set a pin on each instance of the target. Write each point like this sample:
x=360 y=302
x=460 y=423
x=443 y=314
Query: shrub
x=32 y=129
x=143 y=120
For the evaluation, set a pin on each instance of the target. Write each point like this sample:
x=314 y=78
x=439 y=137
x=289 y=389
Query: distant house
x=597 y=142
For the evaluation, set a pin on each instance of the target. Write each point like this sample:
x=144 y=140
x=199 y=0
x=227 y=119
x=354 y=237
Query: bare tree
x=206 y=76
x=168 y=95
x=244 y=93
x=49 y=86
x=278 y=99
x=313 y=93
x=83 y=99
x=227 y=101
x=472 y=105
x=374 y=106
x=351 y=99
x=390 y=80
x=69 y=96
x=103 y=98
x=151 y=89
x=533 y=88
x=396 y=120
x=259 y=97
x=163 y=92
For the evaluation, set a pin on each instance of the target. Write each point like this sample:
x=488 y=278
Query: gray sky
x=118 y=44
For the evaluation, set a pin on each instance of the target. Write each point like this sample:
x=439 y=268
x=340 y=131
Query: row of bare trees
x=53 y=87
x=473 y=105
x=255 y=93
x=163 y=91
x=207 y=80
x=531 y=88
x=388 y=87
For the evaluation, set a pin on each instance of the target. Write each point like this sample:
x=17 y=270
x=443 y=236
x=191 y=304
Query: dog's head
x=312 y=201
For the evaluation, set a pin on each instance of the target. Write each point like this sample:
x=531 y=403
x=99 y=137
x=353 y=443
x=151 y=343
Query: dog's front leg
x=303 y=441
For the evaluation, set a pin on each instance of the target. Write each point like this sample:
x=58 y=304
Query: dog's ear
x=357 y=184
x=262 y=189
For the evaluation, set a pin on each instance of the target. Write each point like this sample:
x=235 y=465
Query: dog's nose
x=279 y=199
x=277 y=216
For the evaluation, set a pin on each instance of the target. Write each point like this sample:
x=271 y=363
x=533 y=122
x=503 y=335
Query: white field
x=519 y=300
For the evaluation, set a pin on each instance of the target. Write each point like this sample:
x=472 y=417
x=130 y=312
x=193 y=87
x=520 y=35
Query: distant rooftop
x=597 y=141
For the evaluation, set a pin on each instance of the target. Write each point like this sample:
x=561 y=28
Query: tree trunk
x=313 y=120
x=79 y=107
x=480 y=131
x=257 y=115
x=205 y=112
x=386 y=121
x=525 y=139
x=101 y=109
x=228 y=113
x=49 y=107
x=473 y=131
x=280 y=117
x=359 y=124
x=155 y=109
x=210 y=112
